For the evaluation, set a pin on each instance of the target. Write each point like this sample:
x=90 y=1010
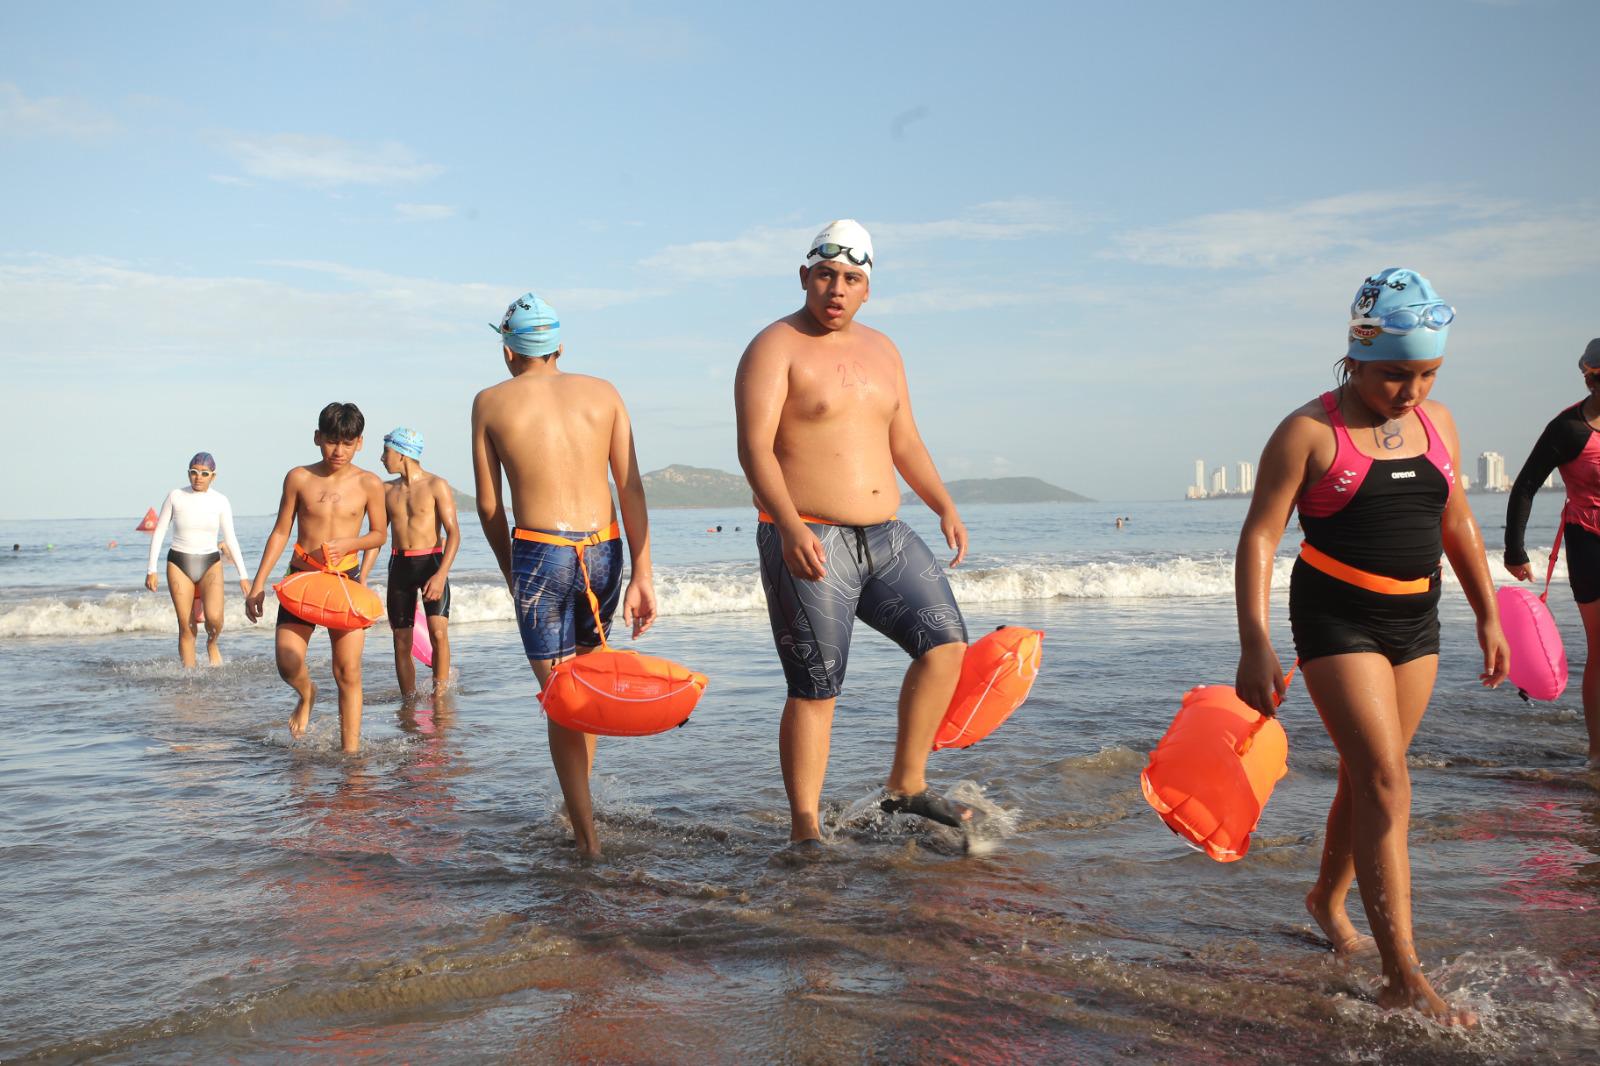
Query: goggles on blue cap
x=1403 y=320
x=1397 y=317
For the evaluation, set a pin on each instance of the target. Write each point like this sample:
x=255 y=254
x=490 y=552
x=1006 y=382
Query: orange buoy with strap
x=609 y=692
x=326 y=595
x=1210 y=777
x=996 y=675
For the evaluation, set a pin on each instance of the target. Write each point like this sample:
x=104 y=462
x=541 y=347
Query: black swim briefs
x=1332 y=617
x=407 y=575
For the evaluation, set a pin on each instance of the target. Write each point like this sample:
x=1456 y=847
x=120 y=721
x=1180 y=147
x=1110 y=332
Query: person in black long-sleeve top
x=1571 y=443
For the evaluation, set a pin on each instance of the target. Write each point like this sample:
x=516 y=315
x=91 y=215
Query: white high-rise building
x=1198 y=489
x=1492 y=472
x=1247 y=477
x=1219 y=481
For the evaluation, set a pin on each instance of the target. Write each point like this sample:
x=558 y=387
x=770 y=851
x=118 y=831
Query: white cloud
x=1428 y=228
x=772 y=251
x=424 y=212
x=327 y=162
x=50 y=116
x=54 y=308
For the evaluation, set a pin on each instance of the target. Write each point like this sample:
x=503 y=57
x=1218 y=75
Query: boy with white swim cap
x=554 y=436
x=824 y=423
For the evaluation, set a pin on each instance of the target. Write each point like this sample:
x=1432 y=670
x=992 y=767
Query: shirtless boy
x=420 y=505
x=824 y=422
x=555 y=435
x=325 y=503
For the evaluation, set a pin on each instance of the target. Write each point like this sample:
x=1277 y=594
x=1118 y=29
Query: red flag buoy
x=147 y=524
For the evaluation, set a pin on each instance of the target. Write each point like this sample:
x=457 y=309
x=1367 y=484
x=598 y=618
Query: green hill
x=695 y=486
x=1004 y=490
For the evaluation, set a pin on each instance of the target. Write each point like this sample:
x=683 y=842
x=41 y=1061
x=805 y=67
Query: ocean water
x=184 y=883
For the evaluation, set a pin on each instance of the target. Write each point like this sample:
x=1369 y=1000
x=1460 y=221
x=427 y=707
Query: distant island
x=680 y=486
x=695 y=486
x=1004 y=490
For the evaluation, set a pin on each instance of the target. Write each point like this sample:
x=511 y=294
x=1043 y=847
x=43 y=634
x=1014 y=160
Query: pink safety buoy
x=1538 y=658
x=421 y=642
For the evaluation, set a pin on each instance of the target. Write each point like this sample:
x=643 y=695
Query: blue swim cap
x=530 y=326
x=1391 y=290
x=407 y=442
x=203 y=460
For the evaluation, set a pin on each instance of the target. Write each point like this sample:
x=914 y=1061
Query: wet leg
x=924 y=697
x=405 y=669
x=347 y=646
x=210 y=594
x=182 y=590
x=804 y=736
x=1326 y=900
x=1591 y=679
x=291 y=640
x=572 y=753
x=439 y=633
x=1358 y=697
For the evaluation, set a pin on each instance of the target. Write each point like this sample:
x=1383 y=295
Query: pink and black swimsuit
x=1570 y=444
x=1383 y=518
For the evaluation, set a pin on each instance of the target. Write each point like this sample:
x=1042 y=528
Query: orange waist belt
x=1389 y=586
x=611 y=532
x=347 y=562
x=762 y=516
x=412 y=553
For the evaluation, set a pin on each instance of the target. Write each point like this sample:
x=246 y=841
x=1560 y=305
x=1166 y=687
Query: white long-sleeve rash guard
x=196 y=519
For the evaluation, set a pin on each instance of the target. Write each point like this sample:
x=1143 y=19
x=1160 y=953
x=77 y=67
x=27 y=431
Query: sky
x=1111 y=238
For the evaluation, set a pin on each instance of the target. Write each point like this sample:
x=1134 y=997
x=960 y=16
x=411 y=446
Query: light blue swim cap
x=1391 y=290
x=203 y=460
x=406 y=441
x=530 y=326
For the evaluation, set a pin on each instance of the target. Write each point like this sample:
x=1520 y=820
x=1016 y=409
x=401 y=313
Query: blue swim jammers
x=884 y=574
x=547 y=591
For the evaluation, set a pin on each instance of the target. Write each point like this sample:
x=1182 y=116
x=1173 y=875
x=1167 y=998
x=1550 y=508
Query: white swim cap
x=843 y=238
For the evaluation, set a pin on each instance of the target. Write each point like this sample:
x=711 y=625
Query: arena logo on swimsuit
x=1398 y=474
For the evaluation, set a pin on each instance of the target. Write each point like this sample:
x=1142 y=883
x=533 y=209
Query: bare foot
x=214 y=653
x=302 y=714
x=1418 y=995
x=1335 y=925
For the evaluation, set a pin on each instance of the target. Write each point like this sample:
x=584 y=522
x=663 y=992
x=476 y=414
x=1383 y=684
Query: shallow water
x=183 y=882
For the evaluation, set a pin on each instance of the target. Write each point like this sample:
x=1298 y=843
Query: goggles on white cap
x=834 y=251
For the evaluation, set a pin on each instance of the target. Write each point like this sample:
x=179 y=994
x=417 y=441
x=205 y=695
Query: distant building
x=1198 y=489
x=1466 y=482
x=1553 y=481
x=1219 y=481
x=1247 y=477
x=1492 y=472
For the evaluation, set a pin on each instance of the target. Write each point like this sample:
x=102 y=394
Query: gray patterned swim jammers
x=883 y=574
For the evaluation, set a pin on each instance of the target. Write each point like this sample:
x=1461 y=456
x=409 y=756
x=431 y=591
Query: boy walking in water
x=324 y=503
x=420 y=505
x=824 y=422
x=555 y=435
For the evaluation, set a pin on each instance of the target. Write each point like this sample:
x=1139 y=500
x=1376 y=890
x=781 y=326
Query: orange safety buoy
x=1211 y=776
x=997 y=673
x=621 y=693
x=328 y=597
x=614 y=693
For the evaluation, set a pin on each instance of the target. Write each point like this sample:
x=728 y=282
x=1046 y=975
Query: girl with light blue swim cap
x=1397 y=317
x=1370 y=468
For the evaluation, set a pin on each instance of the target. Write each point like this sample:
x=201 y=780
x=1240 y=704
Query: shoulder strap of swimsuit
x=1341 y=432
x=1438 y=452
